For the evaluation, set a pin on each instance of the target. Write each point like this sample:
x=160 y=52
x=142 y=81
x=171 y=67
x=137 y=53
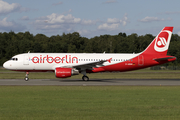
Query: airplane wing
x=89 y=66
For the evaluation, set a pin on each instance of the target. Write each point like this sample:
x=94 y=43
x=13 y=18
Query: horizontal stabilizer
x=164 y=58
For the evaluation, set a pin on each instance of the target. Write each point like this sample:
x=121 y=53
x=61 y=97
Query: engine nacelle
x=65 y=72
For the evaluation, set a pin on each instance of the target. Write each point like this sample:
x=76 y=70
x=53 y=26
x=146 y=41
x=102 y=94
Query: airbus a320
x=68 y=64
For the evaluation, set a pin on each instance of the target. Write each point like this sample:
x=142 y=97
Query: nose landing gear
x=26 y=78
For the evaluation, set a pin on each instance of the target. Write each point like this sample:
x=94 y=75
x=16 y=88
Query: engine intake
x=65 y=72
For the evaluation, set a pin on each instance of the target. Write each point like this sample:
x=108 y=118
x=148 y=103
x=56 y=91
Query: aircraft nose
x=6 y=65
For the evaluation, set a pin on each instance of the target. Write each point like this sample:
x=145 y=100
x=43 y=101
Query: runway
x=93 y=82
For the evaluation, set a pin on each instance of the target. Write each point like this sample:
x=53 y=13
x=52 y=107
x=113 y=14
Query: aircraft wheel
x=85 y=78
x=26 y=78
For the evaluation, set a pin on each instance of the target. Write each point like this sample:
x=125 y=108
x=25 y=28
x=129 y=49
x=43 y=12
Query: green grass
x=89 y=102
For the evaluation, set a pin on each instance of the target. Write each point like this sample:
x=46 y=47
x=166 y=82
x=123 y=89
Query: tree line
x=15 y=43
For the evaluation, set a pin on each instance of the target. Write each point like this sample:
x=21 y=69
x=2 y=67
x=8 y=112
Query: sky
x=89 y=17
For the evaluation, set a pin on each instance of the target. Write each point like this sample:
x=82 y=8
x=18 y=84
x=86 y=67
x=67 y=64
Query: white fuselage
x=50 y=61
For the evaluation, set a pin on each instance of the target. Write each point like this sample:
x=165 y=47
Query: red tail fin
x=160 y=44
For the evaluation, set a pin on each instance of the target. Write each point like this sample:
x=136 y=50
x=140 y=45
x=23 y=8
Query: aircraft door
x=26 y=60
x=140 y=60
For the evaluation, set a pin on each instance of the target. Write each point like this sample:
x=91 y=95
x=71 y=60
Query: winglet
x=109 y=60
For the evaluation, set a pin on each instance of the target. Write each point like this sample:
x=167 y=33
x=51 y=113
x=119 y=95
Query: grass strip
x=89 y=102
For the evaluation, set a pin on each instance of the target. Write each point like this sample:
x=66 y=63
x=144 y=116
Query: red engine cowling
x=65 y=72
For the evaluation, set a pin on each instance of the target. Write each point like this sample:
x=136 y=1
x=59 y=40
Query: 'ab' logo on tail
x=162 y=41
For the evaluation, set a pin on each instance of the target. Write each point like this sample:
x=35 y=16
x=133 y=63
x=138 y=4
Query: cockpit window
x=14 y=59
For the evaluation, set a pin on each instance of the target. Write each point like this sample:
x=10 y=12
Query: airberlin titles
x=50 y=59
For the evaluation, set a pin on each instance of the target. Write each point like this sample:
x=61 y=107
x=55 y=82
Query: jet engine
x=65 y=72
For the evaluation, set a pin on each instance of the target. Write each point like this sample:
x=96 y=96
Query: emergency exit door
x=140 y=60
x=26 y=60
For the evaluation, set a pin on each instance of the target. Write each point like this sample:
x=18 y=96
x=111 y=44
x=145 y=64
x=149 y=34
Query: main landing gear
x=26 y=78
x=84 y=78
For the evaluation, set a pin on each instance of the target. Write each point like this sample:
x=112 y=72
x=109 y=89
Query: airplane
x=68 y=64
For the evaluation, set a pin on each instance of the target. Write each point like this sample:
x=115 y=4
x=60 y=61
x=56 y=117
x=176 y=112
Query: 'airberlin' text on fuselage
x=50 y=59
